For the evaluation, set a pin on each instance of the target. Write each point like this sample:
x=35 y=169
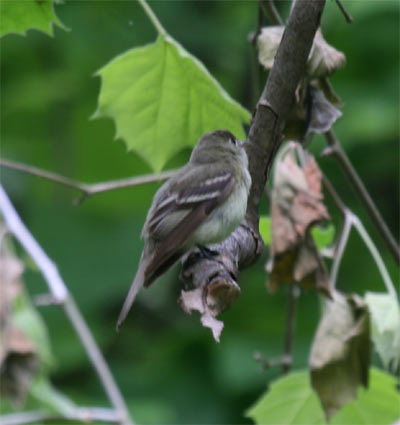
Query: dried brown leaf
x=340 y=353
x=296 y=206
x=210 y=300
x=323 y=59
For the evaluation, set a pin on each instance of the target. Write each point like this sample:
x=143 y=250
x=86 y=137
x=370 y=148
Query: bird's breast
x=225 y=218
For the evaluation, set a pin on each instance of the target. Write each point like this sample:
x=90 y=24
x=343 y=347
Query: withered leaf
x=340 y=354
x=296 y=206
x=323 y=113
x=311 y=112
x=323 y=59
x=18 y=356
x=210 y=300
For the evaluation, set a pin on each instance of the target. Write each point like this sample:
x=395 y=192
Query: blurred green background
x=168 y=367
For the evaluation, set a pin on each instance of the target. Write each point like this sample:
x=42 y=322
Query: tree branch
x=87 y=189
x=60 y=293
x=82 y=414
x=244 y=245
x=335 y=148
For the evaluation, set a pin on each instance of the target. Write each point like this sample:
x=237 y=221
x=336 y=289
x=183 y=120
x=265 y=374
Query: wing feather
x=178 y=216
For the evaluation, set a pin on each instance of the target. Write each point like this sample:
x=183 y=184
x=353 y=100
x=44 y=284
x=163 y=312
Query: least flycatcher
x=202 y=204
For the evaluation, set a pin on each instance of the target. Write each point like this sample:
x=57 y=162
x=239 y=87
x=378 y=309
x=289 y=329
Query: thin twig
x=335 y=149
x=375 y=254
x=346 y=14
x=59 y=291
x=334 y=195
x=340 y=247
x=293 y=294
x=82 y=414
x=268 y=363
x=255 y=64
x=87 y=189
x=269 y=9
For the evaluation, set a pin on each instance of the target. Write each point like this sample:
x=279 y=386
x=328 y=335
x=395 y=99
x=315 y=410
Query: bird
x=201 y=204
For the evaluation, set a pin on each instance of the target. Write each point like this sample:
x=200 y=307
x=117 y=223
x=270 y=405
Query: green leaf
x=265 y=228
x=18 y=16
x=323 y=236
x=380 y=405
x=385 y=318
x=292 y=401
x=26 y=317
x=163 y=99
x=51 y=399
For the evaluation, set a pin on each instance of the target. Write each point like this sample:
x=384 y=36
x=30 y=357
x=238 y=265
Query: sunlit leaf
x=340 y=353
x=323 y=236
x=291 y=401
x=379 y=405
x=163 y=99
x=385 y=318
x=265 y=229
x=17 y=16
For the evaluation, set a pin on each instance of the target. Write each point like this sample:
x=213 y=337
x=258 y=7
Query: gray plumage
x=202 y=204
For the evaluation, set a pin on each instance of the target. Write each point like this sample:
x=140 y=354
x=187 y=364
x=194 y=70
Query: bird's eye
x=232 y=140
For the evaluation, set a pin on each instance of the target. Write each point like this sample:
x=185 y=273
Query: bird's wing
x=178 y=215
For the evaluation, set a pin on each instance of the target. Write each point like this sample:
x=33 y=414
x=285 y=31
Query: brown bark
x=218 y=275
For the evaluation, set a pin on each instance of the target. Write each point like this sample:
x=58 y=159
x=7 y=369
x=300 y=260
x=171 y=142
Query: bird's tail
x=137 y=283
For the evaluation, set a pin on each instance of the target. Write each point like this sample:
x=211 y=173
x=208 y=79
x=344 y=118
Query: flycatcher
x=202 y=204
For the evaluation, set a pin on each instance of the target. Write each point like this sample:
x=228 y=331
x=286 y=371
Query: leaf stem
x=293 y=294
x=375 y=254
x=153 y=18
x=341 y=246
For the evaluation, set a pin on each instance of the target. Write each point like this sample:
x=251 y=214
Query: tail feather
x=137 y=283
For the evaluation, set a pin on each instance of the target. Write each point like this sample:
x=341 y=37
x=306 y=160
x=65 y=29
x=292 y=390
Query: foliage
x=17 y=17
x=26 y=356
x=385 y=318
x=291 y=400
x=166 y=366
x=163 y=99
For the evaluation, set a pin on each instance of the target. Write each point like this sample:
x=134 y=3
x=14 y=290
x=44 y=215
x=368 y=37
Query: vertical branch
x=60 y=293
